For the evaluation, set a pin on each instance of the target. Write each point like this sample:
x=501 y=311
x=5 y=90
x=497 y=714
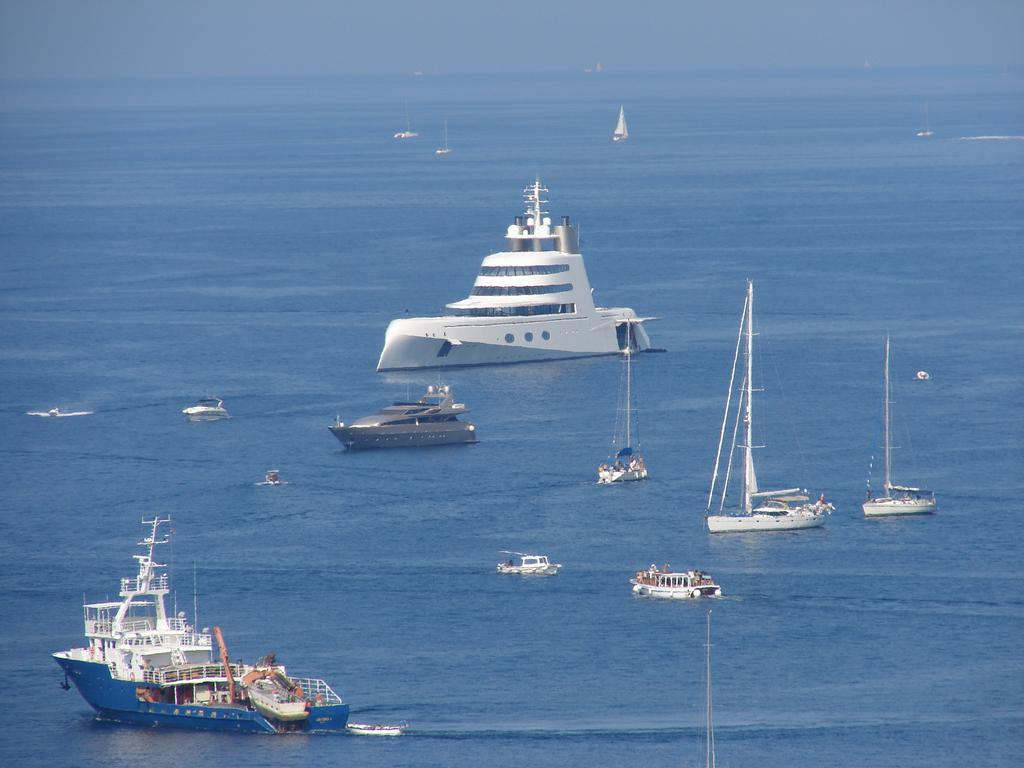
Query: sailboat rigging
x=626 y=462
x=408 y=133
x=896 y=499
x=781 y=510
x=444 y=150
x=927 y=128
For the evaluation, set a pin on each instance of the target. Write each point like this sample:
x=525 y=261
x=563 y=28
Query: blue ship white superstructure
x=530 y=302
x=143 y=665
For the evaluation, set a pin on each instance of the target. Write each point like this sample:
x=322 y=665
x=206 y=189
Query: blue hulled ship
x=144 y=666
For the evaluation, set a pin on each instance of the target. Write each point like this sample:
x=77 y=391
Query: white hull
x=758 y=522
x=621 y=476
x=367 y=729
x=675 y=593
x=887 y=507
x=546 y=570
x=206 y=415
x=420 y=342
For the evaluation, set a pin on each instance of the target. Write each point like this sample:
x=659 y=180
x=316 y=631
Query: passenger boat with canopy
x=144 y=665
x=679 y=585
x=781 y=510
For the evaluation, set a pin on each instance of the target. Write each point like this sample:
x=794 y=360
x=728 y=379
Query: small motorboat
x=664 y=582
x=922 y=376
x=56 y=413
x=273 y=477
x=377 y=729
x=529 y=565
x=207 y=409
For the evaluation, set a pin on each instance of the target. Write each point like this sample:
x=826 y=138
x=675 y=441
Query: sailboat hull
x=891 y=507
x=608 y=477
x=791 y=521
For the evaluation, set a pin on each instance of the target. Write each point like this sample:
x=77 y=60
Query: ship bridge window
x=519 y=290
x=527 y=271
x=532 y=309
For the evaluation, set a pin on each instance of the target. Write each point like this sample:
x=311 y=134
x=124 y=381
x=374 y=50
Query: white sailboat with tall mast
x=896 y=499
x=621 y=132
x=781 y=510
x=408 y=133
x=444 y=150
x=927 y=128
x=626 y=461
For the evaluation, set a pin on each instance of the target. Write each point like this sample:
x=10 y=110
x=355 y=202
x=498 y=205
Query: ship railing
x=137 y=625
x=171 y=675
x=137 y=585
x=314 y=688
x=170 y=641
x=93 y=627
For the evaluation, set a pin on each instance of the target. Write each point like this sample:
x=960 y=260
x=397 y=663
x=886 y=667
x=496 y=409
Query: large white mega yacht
x=530 y=302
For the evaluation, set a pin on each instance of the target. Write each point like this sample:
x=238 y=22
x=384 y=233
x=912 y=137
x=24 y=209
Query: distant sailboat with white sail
x=781 y=510
x=896 y=499
x=408 y=133
x=621 y=132
x=444 y=150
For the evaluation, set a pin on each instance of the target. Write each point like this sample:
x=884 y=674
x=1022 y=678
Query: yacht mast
x=709 y=759
x=888 y=436
x=749 y=479
x=629 y=393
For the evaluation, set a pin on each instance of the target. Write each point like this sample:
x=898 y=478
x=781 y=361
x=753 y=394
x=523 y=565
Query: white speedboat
x=922 y=376
x=680 y=585
x=378 y=729
x=896 y=499
x=626 y=462
x=528 y=565
x=57 y=413
x=782 y=510
x=621 y=132
x=530 y=302
x=207 y=409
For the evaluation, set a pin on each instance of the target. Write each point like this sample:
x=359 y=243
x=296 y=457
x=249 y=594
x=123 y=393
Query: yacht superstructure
x=530 y=302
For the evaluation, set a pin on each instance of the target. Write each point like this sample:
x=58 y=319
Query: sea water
x=166 y=240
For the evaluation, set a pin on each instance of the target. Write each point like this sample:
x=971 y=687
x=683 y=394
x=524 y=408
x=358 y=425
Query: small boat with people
x=207 y=409
x=431 y=420
x=680 y=585
x=378 y=729
x=895 y=499
x=782 y=510
x=528 y=565
x=273 y=477
x=57 y=413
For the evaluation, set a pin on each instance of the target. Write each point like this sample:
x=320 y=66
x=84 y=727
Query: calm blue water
x=165 y=240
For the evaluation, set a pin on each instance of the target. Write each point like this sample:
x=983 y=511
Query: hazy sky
x=125 y=38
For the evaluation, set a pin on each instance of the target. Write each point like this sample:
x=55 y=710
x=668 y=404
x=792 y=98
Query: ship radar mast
x=147 y=564
x=532 y=197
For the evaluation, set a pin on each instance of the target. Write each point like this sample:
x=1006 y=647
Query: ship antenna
x=195 y=597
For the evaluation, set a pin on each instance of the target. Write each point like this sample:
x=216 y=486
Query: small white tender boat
x=680 y=585
x=207 y=409
x=56 y=413
x=922 y=375
x=529 y=565
x=377 y=729
x=273 y=477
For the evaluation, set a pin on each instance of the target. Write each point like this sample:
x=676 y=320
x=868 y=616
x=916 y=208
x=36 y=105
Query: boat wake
x=56 y=413
x=992 y=138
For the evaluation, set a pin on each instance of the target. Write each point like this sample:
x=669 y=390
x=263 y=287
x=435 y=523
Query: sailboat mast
x=748 y=464
x=709 y=760
x=888 y=436
x=629 y=389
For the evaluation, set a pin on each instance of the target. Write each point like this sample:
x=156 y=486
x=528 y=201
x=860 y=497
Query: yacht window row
x=519 y=290
x=537 y=269
x=532 y=309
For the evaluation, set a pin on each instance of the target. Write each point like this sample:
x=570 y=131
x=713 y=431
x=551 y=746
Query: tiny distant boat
x=895 y=499
x=922 y=376
x=408 y=133
x=927 y=128
x=680 y=585
x=57 y=413
x=207 y=409
x=528 y=565
x=444 y=150
x=273 y=477
x=378 y=729
x=143 y=664
x=621 y=132
x=626 y=462
x=432 y=420
x=782 y=510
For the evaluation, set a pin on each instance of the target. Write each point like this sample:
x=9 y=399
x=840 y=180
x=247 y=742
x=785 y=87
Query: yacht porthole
x=545 y=335
x=529 y=336
x=509 y=338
